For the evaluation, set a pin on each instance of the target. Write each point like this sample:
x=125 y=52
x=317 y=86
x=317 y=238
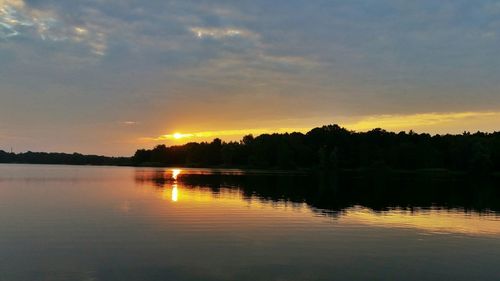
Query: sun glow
x=415 y=121
x=177 y=136
x=453 y=122
x=225 y=133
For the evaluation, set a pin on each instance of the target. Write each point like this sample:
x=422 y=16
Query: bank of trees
x=329 y=147
x=332 y=147
x=61 y=158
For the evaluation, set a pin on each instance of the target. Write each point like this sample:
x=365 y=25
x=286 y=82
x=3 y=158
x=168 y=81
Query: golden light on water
x=431 y=221
x=201 y=201
x=175 y=190
x=170 y=194
x=175 y=193
x=175 y=173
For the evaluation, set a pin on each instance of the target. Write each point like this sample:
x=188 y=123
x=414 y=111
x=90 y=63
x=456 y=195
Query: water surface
x=115 y=223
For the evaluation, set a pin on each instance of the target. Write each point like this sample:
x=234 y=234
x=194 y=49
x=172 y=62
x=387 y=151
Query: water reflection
x=331 y=194
x=129 y=224
x=436 y=221
x=175 y=193
x=434 y=204
x=168 y=184
x=175 y=173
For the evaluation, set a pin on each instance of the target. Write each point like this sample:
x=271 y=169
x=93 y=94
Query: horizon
x=180 y=139
x=249 y=140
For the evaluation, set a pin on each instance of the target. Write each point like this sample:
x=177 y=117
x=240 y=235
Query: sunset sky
x=108 y=77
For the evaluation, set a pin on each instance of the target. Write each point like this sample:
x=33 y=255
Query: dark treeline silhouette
x=61 y=158
x=327 y=148
x=331 y=147
x=331 y=193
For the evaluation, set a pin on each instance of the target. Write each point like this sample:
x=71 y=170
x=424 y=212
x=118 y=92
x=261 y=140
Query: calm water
x=111 y=223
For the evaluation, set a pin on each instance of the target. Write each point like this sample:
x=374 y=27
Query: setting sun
x=249 y=140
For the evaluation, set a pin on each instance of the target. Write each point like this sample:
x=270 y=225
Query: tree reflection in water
x=330 y=194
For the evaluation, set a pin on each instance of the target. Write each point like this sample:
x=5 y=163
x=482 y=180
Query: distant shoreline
x=327 y=148
x=359 y=171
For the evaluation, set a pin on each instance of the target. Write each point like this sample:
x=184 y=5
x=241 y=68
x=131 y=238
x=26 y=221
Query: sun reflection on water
x=175 y=193
x=197 y=198
x=175 y=173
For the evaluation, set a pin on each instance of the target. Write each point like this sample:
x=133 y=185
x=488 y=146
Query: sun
x=178 y=136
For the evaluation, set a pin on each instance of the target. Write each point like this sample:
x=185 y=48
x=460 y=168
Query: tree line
x=329 y=147
x=61 y=158
x=334 y=147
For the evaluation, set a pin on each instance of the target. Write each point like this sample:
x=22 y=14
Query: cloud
x=224 y=133
x=414 y=121
x=12 y=3
x=231 y=64
x=388 y=122
x=129 y=123
x=18 y=19
x=7 y=31
x=220 y=33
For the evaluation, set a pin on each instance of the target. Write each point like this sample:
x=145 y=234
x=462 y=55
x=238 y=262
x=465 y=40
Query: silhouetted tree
x=328 y=147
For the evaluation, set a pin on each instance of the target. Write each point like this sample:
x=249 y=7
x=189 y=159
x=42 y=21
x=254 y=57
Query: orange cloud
x=402 y=122
x=422 y=121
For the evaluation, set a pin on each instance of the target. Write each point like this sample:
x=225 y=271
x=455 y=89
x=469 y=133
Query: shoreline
x=361 y=171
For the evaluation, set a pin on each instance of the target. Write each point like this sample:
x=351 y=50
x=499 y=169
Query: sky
x=108 y=77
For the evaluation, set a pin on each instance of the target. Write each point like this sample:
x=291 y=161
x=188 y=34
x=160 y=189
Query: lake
x=124 y=223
